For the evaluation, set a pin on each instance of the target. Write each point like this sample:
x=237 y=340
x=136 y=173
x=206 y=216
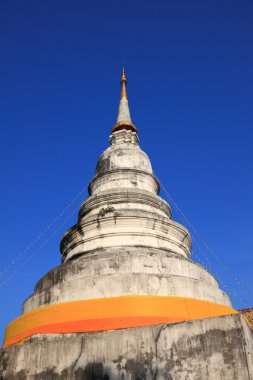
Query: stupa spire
x=124 y=120
x=123 y=82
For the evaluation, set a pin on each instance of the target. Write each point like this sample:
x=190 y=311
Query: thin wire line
x=202 y=240
x=41 y=246
x=31 y=245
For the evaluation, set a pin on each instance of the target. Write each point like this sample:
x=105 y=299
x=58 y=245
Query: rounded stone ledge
x=132 y=260
x=123 y=156
x=126 y=284
x=123 y=178
x=108 y=241
x=135 y=212
x=132 y=198
x=131 y=229
x=108 y=275
x=137 y=284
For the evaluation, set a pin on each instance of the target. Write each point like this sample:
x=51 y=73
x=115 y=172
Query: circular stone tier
x=123 y=156
x=124 y=179
x=113 y=273
x=130 y=199
x=125 y=228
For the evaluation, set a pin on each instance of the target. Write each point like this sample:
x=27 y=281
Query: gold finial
x=123 y=82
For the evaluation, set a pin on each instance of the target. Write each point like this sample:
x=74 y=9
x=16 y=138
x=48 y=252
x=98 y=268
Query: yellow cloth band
x=109 y=314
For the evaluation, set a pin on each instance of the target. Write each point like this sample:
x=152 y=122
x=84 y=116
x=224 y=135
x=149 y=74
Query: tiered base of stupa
x=115 y=288
x=217 y=348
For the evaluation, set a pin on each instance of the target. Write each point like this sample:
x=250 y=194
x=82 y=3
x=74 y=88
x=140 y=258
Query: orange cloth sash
x=110 y=314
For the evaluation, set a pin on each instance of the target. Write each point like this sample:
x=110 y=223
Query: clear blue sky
x=189 y=67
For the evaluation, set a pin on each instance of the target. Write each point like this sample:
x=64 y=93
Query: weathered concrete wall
x=218 y=348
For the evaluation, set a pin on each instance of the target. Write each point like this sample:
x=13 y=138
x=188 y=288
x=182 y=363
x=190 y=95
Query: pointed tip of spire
x=124 y=119
x=123 y=77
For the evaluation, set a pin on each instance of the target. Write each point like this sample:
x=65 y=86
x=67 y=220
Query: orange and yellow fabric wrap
x=110 y=314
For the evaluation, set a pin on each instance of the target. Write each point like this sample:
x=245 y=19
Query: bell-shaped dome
x=123 y=156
